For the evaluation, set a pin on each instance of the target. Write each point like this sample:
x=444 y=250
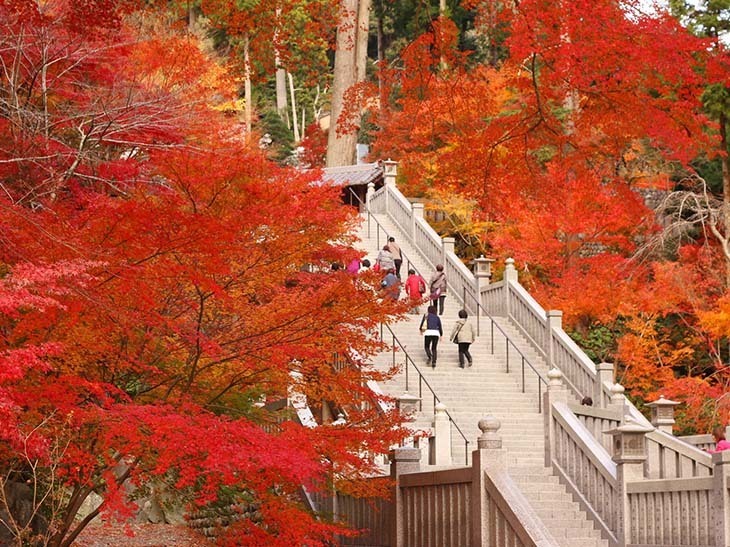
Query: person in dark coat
x=432 y=333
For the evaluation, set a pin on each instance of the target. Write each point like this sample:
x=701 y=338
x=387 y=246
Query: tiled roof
x=353 y=175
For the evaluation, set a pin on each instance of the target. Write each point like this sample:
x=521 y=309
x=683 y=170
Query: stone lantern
x=482 y=267
x=662 y=414
x=629 y=442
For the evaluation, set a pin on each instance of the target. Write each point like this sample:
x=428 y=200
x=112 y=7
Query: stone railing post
x=447 y=246
x=390 y=170
x=369 y=194
x=482 y=275
x=604 y=374
x=442 y=436
x=662 y=414
x=402 y=461
x=556 y=393
x=489 y=452
x=720 y=509
x=416 y=213
x=510 y=275
x=629 y=453
x=554 y=322
x=618 y=399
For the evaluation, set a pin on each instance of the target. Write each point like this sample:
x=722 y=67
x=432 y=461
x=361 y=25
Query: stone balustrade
x=640 y=485
x=688 y=504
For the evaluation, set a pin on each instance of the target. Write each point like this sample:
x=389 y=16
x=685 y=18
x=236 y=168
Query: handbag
x=456 y=335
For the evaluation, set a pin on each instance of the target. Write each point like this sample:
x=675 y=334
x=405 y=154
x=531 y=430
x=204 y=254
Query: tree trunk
x=281 y=104
x=350 y=63
x=297 y=137
x=725 y=189
x=248 y=111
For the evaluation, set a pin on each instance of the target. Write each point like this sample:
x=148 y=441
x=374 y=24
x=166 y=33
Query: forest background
x=165 y=261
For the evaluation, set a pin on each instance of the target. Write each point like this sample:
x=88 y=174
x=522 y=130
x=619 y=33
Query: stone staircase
x=471 y=393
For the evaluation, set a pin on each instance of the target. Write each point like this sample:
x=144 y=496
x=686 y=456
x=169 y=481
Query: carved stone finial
x=617 y=392
x=555 y=378
x=490 y=437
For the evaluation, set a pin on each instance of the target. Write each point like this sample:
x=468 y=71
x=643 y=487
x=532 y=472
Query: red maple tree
x=159 y=280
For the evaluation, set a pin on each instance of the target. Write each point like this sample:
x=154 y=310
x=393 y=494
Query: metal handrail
x=422 y=380
x=409 y=264
x=493 y=323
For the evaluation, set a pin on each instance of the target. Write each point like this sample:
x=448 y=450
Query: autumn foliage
x=556 y=144
x=160 y=280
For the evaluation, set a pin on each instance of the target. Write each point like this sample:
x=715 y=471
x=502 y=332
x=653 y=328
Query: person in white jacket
x=463 y=334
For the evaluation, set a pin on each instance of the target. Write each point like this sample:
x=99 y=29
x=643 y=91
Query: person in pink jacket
x=720 y=443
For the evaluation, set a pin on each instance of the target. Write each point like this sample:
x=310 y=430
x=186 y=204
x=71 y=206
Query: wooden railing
x=447 y=522
x=370 y=516
x=472 y=506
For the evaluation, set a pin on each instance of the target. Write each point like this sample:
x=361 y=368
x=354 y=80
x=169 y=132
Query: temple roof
x=353 y=175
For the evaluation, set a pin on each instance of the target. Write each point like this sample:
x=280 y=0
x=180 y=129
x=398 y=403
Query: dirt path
x=139 y=535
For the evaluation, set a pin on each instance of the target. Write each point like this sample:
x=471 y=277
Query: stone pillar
x=390 y=172
x=408 y=403
x=604 y=374
x=629 y=453
x=618 y=399
x=662 y=414
x=447 y=246
x=720 y=508
x=482 y=268
x=402 y=461
x=416 y=213
x=490 y=453
x=554 y=321
x=556 y=393
x=442 y=436
x=510 y=276
x=369 y=194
